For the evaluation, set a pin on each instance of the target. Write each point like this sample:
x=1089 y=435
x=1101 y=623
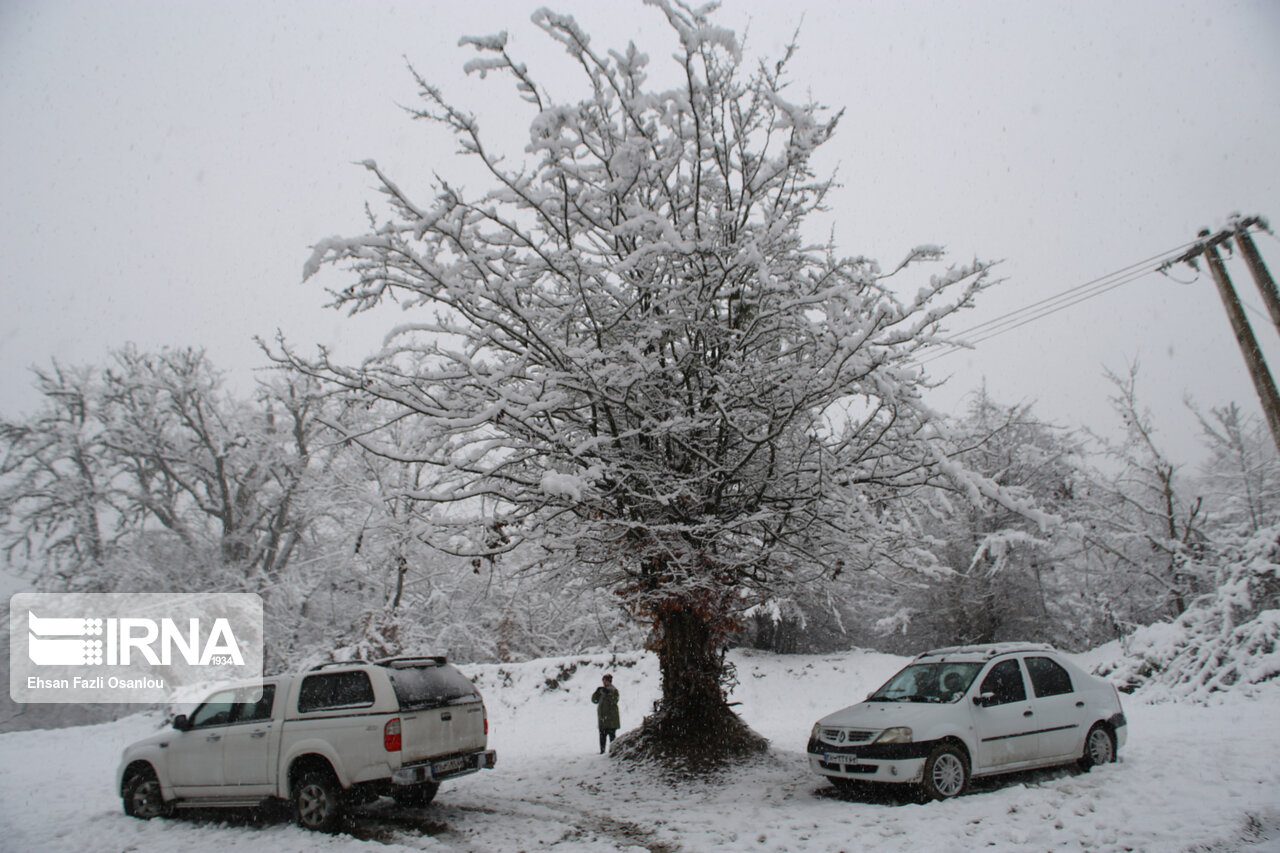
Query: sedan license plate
x=448 y=765
x=840 y=758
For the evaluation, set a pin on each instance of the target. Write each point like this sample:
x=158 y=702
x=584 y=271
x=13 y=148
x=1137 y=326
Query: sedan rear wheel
x=946 y=772
x=1099 y=747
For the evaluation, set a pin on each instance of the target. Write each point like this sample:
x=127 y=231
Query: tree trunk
x=692 y=726
x=693 y=669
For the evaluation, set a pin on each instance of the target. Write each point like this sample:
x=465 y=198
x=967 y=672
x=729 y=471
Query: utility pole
x=1261 y=277
x=1258 y=372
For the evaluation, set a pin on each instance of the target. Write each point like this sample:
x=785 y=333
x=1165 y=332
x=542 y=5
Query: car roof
x=406 y=662
x=983 y=652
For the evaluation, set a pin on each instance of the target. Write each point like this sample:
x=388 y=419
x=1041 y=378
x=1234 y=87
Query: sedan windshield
x=928 y=682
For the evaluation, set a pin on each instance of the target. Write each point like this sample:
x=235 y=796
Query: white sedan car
x=957 y=713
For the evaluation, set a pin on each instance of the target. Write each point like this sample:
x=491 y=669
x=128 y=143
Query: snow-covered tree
x=627 y=362
x=1227 y=640
x=56 y=482
x=1241 y=477
x=219 y=473
x=1144 y=533
x=1003 y=572
x=388 y=592
x=146 y=475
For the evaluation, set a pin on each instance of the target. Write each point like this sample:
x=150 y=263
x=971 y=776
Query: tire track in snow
x=397 y=825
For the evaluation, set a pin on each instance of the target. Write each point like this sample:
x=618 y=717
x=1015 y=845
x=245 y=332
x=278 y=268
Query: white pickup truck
x=337 y=735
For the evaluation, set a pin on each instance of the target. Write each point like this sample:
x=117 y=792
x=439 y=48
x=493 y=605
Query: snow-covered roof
x=985 y=651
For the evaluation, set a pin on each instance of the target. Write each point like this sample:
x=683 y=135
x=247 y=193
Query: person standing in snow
x=606 y=700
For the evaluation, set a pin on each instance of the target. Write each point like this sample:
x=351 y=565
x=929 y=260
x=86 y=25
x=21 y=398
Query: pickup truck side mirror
x=181 y=723
x=984 y=700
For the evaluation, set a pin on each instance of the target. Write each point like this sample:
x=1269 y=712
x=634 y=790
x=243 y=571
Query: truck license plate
x=448 y=765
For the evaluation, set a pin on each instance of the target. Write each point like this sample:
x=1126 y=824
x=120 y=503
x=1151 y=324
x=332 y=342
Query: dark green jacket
x=607 y=712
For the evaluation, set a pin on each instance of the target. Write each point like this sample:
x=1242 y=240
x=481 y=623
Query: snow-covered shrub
x=1227 y=641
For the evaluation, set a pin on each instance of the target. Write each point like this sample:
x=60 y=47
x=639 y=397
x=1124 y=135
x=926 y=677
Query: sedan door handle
x=1079 y=704
x=446 y=716
x=213 y=738
x=1028 y=713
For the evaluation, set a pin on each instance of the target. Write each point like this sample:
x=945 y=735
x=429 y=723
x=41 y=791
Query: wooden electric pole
x=1261 y=276
x=1258 y=372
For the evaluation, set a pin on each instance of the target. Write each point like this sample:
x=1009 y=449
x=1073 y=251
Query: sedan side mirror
x=984 y=700
x=181 y=723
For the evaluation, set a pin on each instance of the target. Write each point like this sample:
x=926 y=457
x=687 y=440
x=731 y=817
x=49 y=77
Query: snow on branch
x=335 y=248
x=979 y=489
x=695 y=31
x=562 y=28
x=998 y=546
x=496 y=43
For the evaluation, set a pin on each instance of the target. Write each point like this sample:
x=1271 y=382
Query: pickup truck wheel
x=317 y=802
x=946 y=772
x=142 y=797
x=415 y=795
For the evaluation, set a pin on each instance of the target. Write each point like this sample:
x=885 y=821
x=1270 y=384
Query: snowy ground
x=1191 y=779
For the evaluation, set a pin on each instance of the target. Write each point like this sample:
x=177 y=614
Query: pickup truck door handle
x=213 y=738
x=258 y=734
x=446 y=716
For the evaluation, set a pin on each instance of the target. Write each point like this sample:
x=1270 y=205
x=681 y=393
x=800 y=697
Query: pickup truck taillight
x=486 y=719
x=391 y=735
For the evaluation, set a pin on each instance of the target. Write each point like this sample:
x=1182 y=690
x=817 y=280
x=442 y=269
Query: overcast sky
x=165 y=166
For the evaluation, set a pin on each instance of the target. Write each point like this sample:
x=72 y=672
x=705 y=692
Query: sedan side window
x=1048 y=678
x=1004 y=681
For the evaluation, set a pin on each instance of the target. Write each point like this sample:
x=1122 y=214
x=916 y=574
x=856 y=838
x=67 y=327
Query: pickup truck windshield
x=427 y=686
x=928 y=682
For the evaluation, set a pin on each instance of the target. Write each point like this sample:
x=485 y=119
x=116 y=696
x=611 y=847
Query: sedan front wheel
x=946 y=772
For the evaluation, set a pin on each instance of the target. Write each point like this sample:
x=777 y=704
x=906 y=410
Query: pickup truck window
x=429 y=686
x=214 y=711
x=335 y=690
x=248 y=712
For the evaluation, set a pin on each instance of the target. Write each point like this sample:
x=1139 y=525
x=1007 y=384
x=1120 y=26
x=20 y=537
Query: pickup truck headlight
x=897 y=734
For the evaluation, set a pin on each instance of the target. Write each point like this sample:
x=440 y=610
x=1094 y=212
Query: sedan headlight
x=897 y=734
x=817 y=729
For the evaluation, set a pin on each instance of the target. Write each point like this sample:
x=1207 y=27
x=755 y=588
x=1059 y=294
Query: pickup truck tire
x=415 y=795
x=142 y=797
x=317 y=801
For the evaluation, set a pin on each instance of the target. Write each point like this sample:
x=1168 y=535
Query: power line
x=1059 y=302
